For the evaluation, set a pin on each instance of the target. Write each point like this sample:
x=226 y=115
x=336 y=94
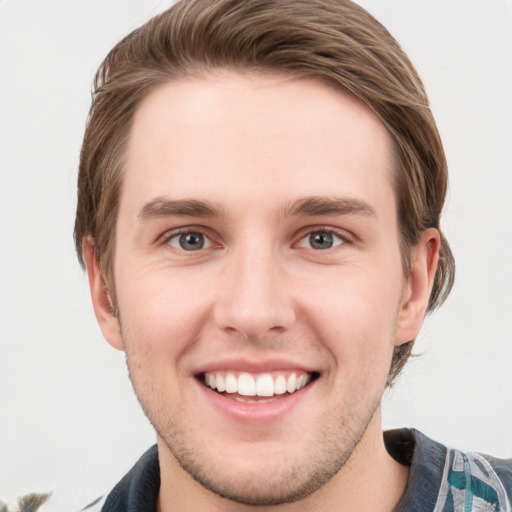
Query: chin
x=254 y=474
x=262 y=484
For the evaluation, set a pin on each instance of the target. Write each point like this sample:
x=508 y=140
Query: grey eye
x=189 y=241
x=321 y=240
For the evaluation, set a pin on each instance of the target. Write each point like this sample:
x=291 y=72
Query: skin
x=258 y=293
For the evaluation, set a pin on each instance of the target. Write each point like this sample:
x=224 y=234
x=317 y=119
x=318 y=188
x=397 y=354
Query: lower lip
x=256 y=413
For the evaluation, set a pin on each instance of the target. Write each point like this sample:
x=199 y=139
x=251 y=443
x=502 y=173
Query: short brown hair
x=335 y=41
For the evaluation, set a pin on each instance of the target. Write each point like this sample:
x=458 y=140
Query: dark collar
x=138 y=490
x=426 y=459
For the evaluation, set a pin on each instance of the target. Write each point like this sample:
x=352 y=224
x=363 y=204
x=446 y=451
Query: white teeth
x=280 y=385
x=221 y=384
x=291 y=383
x=263 y=385
x=231 y=383
x=246 y=385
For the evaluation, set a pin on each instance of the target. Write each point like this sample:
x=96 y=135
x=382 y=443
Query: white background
x=68 y=419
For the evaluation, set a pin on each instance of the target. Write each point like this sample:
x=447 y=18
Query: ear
x=416 y=294
x=101 y=301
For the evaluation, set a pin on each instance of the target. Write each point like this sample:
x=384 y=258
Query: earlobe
x=424 y=261
x=101 y=301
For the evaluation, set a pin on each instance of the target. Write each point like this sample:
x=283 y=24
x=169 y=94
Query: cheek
x=162 y=314
x=355 y=313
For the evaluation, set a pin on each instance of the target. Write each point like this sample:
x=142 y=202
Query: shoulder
x=490 y=478
x=444 y=479
x=502 y=469
x=474 y=481
x=137 y=490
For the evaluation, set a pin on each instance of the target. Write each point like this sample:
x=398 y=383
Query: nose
x=254 y=301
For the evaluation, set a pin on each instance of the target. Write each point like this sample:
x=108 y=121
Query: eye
x=321 y=240
x=189 y=241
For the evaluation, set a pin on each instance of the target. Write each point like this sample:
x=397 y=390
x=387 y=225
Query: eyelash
x=326 y=230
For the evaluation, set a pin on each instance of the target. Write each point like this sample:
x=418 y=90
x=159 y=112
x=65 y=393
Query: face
x=259 y=280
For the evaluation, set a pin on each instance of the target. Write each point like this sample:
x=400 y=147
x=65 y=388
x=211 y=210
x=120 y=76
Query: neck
x=370 y=467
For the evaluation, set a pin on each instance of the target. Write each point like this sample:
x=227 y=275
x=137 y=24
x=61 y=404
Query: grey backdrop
x=68 y=419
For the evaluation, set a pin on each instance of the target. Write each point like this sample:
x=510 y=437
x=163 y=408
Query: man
x=259 y=199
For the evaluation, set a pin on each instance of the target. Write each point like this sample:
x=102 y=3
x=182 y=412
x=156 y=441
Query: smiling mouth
x=257 y=388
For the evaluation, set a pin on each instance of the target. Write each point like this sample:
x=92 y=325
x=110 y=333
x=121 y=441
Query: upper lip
x=254 y=366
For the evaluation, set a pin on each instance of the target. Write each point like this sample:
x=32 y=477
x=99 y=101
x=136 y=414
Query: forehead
x=230 y=138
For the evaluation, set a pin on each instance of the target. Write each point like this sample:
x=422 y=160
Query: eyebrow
x=307 y=206
x=161 y=208
x=321 y=205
